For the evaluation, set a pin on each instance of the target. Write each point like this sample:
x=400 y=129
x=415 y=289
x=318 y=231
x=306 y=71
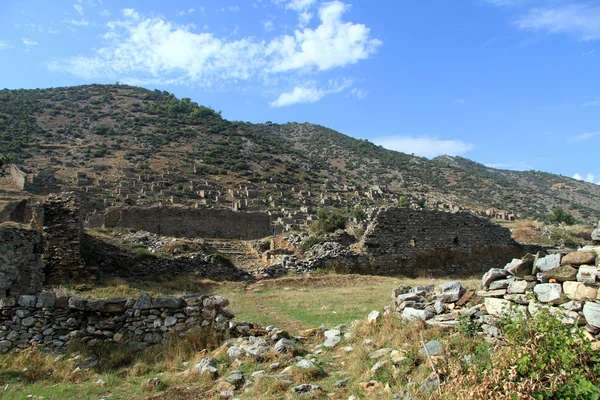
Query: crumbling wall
x=58 y=218
x=19 y=177
x=400 y=241
x=187 y=222
x=16 y=211
x=51 y=321
x=21 y=268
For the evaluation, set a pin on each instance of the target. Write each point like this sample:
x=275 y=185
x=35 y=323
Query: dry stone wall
x=401 y=241
x=187 y=222
x=51 y=321
x=21 y=268
x=567 y=286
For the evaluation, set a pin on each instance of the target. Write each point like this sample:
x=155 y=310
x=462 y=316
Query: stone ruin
x=21 y=268
x=566 y=285
x=48 y=320
x=401 y=241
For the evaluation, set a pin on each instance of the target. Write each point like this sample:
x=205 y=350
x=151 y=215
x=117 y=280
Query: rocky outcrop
x=49 y=320
x=21 y=267
x=596 y=234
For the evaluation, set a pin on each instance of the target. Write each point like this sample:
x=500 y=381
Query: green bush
x=403 y=202
x=329 y=222
x=559 y=215
x=308 y=243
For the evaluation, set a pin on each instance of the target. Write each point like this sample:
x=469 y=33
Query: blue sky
x=512 y=84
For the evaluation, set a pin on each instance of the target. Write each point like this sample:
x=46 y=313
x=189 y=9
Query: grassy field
x=289 y=303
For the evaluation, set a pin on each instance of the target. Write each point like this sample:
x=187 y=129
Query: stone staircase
x=239 y=252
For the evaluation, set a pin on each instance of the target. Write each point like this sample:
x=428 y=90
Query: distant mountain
x=108 y=129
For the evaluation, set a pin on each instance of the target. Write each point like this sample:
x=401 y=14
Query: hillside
x=108 y=132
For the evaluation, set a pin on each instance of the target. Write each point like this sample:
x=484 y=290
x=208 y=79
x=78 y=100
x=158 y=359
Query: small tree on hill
x=329 y=222
x=559 y=215
x=5 y=161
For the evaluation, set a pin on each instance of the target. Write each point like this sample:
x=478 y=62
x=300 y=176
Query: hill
x=107 y=137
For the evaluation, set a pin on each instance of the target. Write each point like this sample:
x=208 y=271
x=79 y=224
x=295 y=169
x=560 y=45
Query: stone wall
x=19 y=177
x=58 y=218
x=21 y=269
x=194 y=223
x=401 y=241
x=51 y=321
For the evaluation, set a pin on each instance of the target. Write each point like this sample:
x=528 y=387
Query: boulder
x=450 y=292
x=596 y=234
x=493 y=274
x=579 y=257
x=413 y=313
x=520 y=267
x=433 y=347
x=77 y=303
x=167 y=302
x=591 y=312
x=285 y=346
x=562 y=274
x=497 y=307
x=547 y=263
x=520 y=287
x=501 y=284
x=144 y=302
x=45 y=299
x=550 y=293
x=579 y=291
x=588 y=274
x=27 y=301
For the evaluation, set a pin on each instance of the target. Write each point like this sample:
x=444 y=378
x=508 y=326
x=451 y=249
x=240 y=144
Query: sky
x=512 y=84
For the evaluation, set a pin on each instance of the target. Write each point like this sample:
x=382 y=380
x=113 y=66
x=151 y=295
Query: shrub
x=403 y=202
x=329 y=222
x=309 y=242
x=559 y=215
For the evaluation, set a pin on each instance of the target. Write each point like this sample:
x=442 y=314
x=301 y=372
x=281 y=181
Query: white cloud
x=234 y=9
x=589 y=177
x=268 y=25
x=360 y=93
x=299 y=5
x=105 y=13
x=157 y=50
x=308 y=93
x=179 y=13
x=304 y=18
x=28 y=42
x=78 y=8
x=460 y=102
x=4 y=45
x=584 y=136
x=513 y=165
x=592 y=103
x=191 y=10
x=81 y=22
x=424 y=146
x=588 y=53
x=579 y=20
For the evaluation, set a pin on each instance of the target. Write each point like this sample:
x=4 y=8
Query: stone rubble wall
x=188 y=222
x=566 y=285
x=51 y=321
x=59 y=219
x=401 y=241
x=21 y=268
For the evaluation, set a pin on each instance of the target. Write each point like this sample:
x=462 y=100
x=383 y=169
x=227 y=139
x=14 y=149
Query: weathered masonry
x=186 y=222
x=51 y=321
x=407 y=242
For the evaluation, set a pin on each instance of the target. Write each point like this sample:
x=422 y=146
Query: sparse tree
x=5 y=161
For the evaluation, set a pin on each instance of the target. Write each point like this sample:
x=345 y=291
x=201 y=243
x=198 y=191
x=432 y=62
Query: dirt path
x=283 y=321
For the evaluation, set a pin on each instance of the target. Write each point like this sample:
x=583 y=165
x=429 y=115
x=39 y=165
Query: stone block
x=547 y=263
x=492 y=275
x=551 y=293
x=167 y=302
x=520 y=287
x=588 y=274
x=27 y=301
x=579 y=291
x=562 y=273
x=591 y=312
x=46 y=300
x=579 y=257
x=497 y=307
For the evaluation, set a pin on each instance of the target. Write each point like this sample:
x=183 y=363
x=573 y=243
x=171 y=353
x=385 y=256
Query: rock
x=572 y=305
x=285 y=346
x=259 y=374
x=207 y=365
x=434 y=348
x=27 y=301
x=561 y=274
x=497 y=307
x=45 y=299
x=332 y=341
x=588 y=274
x=450 y=292
x=170 y=321
x=596 y=234
x=493 y=274
x=332 y=332
x=579 y=291
x=144 y=302
x=374 y=317
x=155 y=382
x=234 y=352
x=431 y=383
x=501 y=284
x=379 y=353
x=28 y=322
x=77 y=303
x=413 y=313
x=520 y=287
x=591 y=312
x=550 y=293
x=547 y=263
x=216 y=302
x=306 y=389
x=579 y=257
x=235 y=378
x=378 y=366
x=341 y=383
x=520 y=267
x=305 y=364
x=167 y=302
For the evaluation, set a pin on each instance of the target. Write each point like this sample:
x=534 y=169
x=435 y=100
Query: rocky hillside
x=114 y=128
